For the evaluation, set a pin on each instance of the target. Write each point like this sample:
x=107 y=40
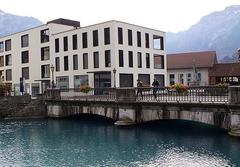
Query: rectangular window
x=181 y=78
x=199 y=77
x=65 y=63
x=107 y=36
x=147 y=60
x=85 y=61
x=80 y=80
x=24 y=41
x=158 y=61
x=65 y=43
x=145 y=78
x=8 y=75
x=1 y=46
x=107 y=58
x=139 y=59
x=74 y=41
x=84 y=40
x=189 y=78
x=44 y=35
x=57 y=63
x=1 y=61
x=96 y=59
x=25 y=57
x=120 y=54
x=172 y=79
x=8 y=45
x=45 y=53
x=75 y=62
x=95 y=38
x=130 y=58
x=130 y=37
x=158 y=42
x=45 y=71
x=146 y=40
x=120 y=35
x=25 y=72
x=57 y=45
x=139 y=39
x=8 y=60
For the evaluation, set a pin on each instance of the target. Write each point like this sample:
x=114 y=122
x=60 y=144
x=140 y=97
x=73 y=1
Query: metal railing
x=206 y=94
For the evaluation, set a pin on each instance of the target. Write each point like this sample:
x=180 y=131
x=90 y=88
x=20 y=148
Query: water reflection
x=77 y=142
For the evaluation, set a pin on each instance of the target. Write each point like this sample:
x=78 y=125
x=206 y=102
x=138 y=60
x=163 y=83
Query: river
x=97 y=142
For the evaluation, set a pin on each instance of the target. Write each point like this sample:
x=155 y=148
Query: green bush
x=85 y=88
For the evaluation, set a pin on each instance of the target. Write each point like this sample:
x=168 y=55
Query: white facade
x=101 y=75
x=186 y=76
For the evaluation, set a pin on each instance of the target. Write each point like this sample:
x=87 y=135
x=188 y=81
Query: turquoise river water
x=93 y=143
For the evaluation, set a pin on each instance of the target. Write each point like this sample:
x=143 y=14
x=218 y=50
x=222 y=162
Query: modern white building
x=108 y=54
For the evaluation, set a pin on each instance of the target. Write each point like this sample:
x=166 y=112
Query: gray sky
x=165 y=15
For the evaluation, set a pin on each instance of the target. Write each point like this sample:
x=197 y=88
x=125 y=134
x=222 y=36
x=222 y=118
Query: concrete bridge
x=221 y=110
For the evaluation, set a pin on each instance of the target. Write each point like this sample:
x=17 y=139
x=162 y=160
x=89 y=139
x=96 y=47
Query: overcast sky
x=165 y=15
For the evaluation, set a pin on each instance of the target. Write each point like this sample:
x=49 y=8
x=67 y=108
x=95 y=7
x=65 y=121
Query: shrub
x=180 y=88
x=4 y=89
x=85 y=88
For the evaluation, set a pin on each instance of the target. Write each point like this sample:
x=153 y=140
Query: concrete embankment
x=21 y=107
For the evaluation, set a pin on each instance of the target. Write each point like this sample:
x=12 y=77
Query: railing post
x=234 y=94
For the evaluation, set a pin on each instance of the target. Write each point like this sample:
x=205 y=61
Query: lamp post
x=52 y=69
x=114 y=76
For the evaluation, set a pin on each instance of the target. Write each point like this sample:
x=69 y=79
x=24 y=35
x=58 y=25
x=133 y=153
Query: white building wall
x=204 y=75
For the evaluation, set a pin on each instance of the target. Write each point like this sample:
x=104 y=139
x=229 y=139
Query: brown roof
x=225 y=69
x=186 y=60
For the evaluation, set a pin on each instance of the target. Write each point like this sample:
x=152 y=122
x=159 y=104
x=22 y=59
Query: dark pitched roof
x=225 y=69
x=186 y=60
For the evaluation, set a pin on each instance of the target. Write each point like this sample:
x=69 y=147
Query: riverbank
x=17 y=107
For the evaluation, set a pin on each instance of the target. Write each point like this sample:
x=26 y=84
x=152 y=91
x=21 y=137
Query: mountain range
x=10 y=23
x=219 y=31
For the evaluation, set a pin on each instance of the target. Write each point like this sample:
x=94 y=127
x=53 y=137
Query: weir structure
x=218 y=106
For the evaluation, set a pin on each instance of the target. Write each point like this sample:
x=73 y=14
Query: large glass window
x=1 y=61
x=65 y=63
x=57 y=63
x=95 y=38
x=121 y=61
x=145 y=78
x=65 y=43
x=45 y=53
x=120 y=35
x=57 y=45
x=96 y=59
x=80 y=80
x=139 y=59
x=146 y=40
x=8 y=45
x=74 y=41
x=62 y=82
x=85 y=61
x=8 y=60
x=75 y=62
x=126 y=80
x=130 y=58
x=25 y=72
x=8 y=75
x=106 y=36
x=160 y=79
x=84 y=40
x=44 y=35
x=158 y=42
x=107 y=58
x=25 y=57
x=24 y=41
x=158 y=61
x=139 y=39
x=1 y=46
x=45 y=71
x=130 y=37
x=147 y=60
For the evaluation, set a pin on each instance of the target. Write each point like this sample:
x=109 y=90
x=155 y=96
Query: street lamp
x=52 y=69
x=114 y=76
